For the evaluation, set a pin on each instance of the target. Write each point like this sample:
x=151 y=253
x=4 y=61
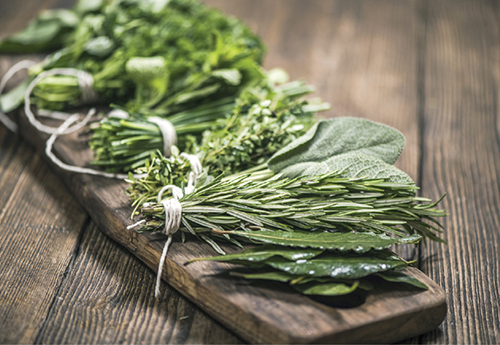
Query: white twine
x=197 y=169
x=24 y=64
x=86 y=82
x=173 y=210
x=118 y=113
x=173 y=217
x=56 y=115
x=136 y=224
x=168 y=133
x=62 y=130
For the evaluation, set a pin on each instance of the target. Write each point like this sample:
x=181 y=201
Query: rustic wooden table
x=429 y=68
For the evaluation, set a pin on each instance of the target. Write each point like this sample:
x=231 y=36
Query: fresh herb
x=324 y=213
x=314 y=204
x=264 y=120
x=237 y=133
x=162 y=56
x=324 y=273
x=356 y=146
x=125 y=144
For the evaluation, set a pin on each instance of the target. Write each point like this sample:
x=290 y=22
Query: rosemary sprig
x=325 y=202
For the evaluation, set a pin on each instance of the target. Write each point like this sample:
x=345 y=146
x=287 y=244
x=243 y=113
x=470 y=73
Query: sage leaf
x=351 y=165
x=358 y=242
x=401 y=277
x=329 y=138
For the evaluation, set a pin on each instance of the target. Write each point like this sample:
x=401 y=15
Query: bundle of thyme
x=237 y=134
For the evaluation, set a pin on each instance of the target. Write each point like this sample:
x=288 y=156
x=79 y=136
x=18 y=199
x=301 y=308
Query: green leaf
x=14 y=98
x=144 y=69
x=341 y=136
x=230 y=76
x=341 y=266
x=46 y=32
x=351 y=165
x=84 y=6
x=262 y=253
x=401 y=277
x=273 y=275
x=100 y=46
x=364 y=284
x=350 y=241
x=151 y=75
x=310 y=285
x=326 y=289
x=199 y=93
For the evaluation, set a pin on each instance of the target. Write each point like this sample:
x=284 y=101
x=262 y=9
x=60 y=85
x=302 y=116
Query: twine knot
x=173 y=210
x=86 y=83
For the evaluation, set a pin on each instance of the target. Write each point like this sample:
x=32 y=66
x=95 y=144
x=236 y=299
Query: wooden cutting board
x=257 y=313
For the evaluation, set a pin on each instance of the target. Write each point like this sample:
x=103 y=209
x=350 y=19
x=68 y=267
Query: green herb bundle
x=161 y=56
x=309 y=203
x=237 y=133
x=122 y=145
x=324 y=234
x=321 y=272
x=326 y=210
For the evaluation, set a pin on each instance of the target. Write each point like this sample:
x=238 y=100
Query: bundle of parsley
x=155 y=56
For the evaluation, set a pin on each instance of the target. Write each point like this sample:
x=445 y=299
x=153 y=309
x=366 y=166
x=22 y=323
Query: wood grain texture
x=38 y=231
x=462 y=159
x=108 y=298
x=38 y=236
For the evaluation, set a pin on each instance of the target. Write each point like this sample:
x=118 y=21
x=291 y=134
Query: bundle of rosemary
x=256 y=124
x=328 y=207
